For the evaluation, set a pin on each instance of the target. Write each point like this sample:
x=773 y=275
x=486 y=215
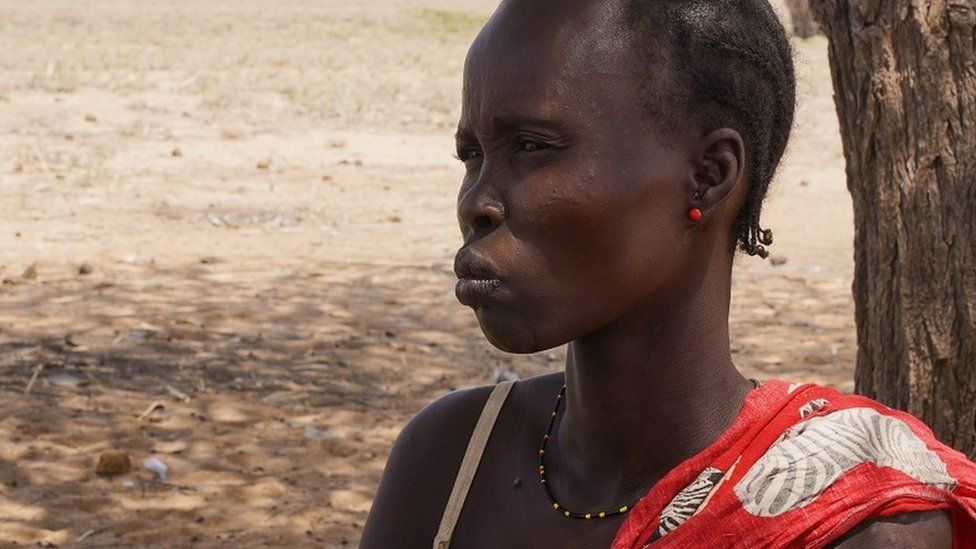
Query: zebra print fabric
x=816 y=452
x=687 y=501
x=812 y=406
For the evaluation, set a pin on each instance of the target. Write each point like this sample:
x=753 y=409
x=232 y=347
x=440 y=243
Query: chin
x=511 y=333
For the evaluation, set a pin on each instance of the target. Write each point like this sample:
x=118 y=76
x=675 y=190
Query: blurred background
x=226 y=243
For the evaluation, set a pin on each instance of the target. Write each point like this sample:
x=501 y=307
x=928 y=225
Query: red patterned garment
x=799 y=467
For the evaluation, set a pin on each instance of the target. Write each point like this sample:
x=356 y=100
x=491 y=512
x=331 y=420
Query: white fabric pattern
x=812 y=406
x=813 y=454
x=688 y=500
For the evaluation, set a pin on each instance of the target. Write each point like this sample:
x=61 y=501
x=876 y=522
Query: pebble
x=66 y=380
x=112 y=463
x=156 y=466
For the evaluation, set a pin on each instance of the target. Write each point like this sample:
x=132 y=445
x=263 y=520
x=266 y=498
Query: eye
x=468 y=153
x=526 y=144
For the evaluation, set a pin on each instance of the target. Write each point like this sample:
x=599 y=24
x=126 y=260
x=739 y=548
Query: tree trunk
x=904 y=75
x=804 y=25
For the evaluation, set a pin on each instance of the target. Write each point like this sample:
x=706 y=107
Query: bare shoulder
x=930 y=529
x=421 y=469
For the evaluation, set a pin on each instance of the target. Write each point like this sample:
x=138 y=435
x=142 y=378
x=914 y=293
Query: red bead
x=694 y=214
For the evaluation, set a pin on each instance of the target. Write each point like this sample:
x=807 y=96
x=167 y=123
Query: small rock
x=395 y=219
x=112 y=463
x=804 y=183
x=326 y=177
x=90 y=118
x=128 y=483
x=313 y=433
x=777 y=260
x=155 y=466
x=30 y=273
x=141 y=335
x=85 y=268
x=177 y=152
x=66 y=380
x=263 y=164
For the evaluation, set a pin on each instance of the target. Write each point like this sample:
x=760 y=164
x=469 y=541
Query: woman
x=616 y=152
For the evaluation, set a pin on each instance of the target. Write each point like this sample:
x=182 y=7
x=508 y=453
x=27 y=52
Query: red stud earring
x=694 y=214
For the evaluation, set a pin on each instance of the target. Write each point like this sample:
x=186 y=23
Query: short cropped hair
x=728 y=63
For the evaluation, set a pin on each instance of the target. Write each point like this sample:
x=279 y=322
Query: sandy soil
x=225 y=242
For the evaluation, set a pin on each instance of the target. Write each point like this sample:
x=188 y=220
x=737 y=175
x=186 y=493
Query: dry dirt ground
x=225 y=243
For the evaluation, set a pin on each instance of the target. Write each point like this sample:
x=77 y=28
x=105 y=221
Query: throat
x=617 y=433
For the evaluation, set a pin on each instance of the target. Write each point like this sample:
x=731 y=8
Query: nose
x=480 y=211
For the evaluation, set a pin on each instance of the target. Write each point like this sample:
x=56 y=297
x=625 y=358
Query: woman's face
x=573 y=205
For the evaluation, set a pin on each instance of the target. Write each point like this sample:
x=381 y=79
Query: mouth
x=474 y=291
x=477 y=279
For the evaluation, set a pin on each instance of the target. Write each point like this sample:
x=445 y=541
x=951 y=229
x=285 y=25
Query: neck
x=647 y=392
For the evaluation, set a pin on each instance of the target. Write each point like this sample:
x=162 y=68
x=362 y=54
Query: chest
x=507 y=507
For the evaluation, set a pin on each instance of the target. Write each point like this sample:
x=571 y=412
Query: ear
x=719 y=169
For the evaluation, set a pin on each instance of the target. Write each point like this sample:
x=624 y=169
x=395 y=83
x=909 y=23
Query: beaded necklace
x=542 y=467
x=545 y=485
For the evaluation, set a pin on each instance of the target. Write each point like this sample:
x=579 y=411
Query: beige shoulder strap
x=469 y=465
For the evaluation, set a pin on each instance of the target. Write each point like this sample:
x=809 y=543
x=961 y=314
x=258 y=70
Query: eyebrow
x=507 y=119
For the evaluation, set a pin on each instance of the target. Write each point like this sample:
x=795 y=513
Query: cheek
x=592 y=248
x=594 y=225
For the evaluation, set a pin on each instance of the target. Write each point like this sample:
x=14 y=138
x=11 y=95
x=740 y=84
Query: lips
x=477 y=279
x=470 y=264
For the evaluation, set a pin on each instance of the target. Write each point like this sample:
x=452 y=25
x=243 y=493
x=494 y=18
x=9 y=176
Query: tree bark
x=804 y=25
x=904 y=74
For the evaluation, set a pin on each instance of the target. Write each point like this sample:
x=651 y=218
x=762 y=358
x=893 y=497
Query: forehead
x=547 y=57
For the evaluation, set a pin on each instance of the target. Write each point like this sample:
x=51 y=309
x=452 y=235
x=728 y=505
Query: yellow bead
x=601 y=515
x=623 y=509
x=566 y=513
x=555 y=506
x=588 y=516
